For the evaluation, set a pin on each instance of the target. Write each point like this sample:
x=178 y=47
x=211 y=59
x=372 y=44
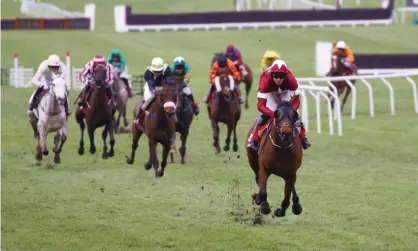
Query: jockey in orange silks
x=220 y=63
x=276 y=80
x=342 y=49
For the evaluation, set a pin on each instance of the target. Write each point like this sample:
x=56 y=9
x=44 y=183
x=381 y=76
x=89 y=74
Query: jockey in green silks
x=117 y=60
x=181 y=72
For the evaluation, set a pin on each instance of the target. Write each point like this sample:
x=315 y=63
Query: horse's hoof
x=235 y=148
x=92 y=150
x=57 y=160
x=226 y=148
x=182 y=161
x=297 y=209
x=218 y=149
x=45 y=152
x=257 y=200
x=279 y=212
x=172 y=157
x=159 y=174
x=130 y=161
x=126 y=124
x=110 y=154
x=147 y=166
x=38 y=156
x=265 y=207
x=247 y=106
x=80 y=151
x=163 y=164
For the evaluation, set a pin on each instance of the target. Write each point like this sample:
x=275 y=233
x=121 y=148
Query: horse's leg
x=261 y=198
x=81 y=144
x=111 y=131
x=296 y=207
x=288 y=187
x=136 y=135
x=347 y=93
x=36 y=134
x=104 y=137
x=43 y=133
x=153 y=155
x=61 y=138
x=173 y=149
x=228 y=138
x=125 y=121
x=235 y=145
x=166 y=150
x=118 y=121
x=90 y=131
x=247 y=93
x=215 y=129
x=183 y=138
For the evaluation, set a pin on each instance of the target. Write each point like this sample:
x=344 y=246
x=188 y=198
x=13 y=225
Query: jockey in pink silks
x=48 y=70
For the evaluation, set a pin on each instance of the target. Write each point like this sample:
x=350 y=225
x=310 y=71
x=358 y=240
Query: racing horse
x=224 y=107
x=159 y=126
x=280 y=153
x=121 y=97
x=338 y=69
x=248 y=79
x=49 y=116
x=98 y=112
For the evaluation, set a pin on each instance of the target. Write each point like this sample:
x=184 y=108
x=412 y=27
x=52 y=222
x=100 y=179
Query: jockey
x=276 y=79
x=268 y=58
x=154 y=76
x=234 y=54
x=342 y=49
x=86 y=76
x=117 y=60
x=47 y=71
x=223 y=62
x=181 y=70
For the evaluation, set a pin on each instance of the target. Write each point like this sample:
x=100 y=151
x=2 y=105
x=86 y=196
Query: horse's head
x=99 y=75
x=224 y=82
x=59 y=90
x=167 y=96
x=337 y=67
x=283 y=125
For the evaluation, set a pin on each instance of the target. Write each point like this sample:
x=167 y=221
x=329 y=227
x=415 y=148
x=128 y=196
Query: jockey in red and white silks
x=86 y=77
x=276 y=80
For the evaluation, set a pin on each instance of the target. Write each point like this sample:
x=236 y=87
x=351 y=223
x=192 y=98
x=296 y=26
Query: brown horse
x=97 y=113
x=159 y=126
x=224 y=107
x=280 y=153
x=248 y=79
x=338 y=69
x=185 y=116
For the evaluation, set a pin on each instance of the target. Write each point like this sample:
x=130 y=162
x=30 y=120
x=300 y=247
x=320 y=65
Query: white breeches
x=272 y=98
x=187 y=91
x=231 y=84
x=148 y=94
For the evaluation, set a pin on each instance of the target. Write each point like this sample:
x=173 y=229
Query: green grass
x=357 y=190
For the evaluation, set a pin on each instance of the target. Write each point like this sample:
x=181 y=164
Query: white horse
x=49 y=116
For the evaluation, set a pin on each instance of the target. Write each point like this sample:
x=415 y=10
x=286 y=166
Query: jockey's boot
x=303 y=139
x=139 y=116
x=253 y=141
x=240 y=98
x=195 y=107
x=128 y=88
x=110 y=96
x=35 y=98
x=305 y=143
x=67 y=110
x=83 y=99
x=209 y=96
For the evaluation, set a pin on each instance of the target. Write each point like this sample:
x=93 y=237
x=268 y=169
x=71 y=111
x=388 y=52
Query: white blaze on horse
x=49 y=116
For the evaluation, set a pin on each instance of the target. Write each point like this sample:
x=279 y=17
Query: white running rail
x=384 y=79
x=316 y=92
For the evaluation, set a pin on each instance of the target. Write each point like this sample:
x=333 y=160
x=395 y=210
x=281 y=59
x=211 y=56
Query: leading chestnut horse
x=280 y=153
